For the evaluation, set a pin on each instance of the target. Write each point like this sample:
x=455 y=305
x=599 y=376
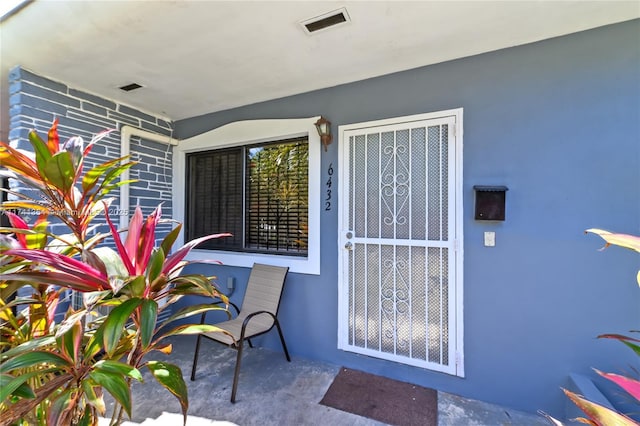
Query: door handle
x=348 y=245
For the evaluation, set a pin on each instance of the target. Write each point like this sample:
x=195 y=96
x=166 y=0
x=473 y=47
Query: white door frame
x=456 y=203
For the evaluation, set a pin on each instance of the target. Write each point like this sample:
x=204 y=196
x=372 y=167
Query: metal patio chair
x=257 y=316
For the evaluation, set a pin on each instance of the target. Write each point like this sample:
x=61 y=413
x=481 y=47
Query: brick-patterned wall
x=35 y=101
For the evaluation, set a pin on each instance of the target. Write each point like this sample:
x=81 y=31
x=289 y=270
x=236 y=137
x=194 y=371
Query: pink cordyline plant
x=57 y=373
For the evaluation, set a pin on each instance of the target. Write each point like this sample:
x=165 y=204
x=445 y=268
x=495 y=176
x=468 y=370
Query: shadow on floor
x=272 y=391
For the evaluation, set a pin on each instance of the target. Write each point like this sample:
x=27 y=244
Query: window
x=258 y=179
x=259 y=193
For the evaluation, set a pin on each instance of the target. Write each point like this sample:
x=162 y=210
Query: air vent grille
x=327 y=20
x=130 y=87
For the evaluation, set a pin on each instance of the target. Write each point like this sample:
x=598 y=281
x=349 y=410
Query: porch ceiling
x=195 y=57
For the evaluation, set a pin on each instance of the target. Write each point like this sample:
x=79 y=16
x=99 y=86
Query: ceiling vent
x=130 y=87
x=326 y=20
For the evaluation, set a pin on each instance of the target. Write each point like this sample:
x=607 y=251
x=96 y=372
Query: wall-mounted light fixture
x=324 y=130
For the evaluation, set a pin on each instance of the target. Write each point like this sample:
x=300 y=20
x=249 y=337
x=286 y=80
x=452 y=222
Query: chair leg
x=195 y=359
x=284 y=346
x=250 y=344
x=236 y=373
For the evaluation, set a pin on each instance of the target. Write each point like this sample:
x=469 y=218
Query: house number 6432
x=329 y=183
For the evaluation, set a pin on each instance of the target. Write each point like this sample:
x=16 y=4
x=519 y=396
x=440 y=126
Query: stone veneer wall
x=35 y=102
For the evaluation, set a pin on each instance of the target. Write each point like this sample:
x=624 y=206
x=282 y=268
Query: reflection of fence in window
x=277 y=197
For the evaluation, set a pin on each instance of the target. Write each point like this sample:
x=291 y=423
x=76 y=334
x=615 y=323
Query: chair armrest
x=204 y=314
x=250 y=316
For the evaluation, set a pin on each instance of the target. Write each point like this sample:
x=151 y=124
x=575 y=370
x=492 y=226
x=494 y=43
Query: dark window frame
x=291 y=236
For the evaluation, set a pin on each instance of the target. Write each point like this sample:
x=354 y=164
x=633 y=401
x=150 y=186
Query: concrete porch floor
x=272 y=391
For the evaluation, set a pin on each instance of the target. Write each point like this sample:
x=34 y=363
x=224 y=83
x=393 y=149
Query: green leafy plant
x=599 y=415
x=57 y=373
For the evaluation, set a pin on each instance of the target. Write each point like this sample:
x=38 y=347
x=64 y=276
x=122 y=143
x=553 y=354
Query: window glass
x=259 y=193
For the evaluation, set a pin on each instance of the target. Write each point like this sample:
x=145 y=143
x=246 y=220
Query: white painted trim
x=245 y=133
x=406 y=119
x=126 y=132
x=459 y=252
x=456 y=354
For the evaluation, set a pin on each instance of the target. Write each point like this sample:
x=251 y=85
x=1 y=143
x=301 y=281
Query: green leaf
x=108 y=188
x=194 y=284
x=29 y=346
x=59 y=171
x=92 y=397
x=170 y=376
x=171 y=237
x=19 y=301
x=38 y=239
x=69 y=322
x=94 y=297
x=117 y=367
x=92 y=176
x=156 y=262
x=111 y=261
x=115 y=322
x=8 y=288
x=148 y=319
x=24 y=391
x=87 y=418
x=33 y=358
x=116 y=385
x=40 y=148
x=104 y=188
x=69 y=342
x=95 y=343
x=193 y=329
x=194 y=310
x=10 y=385
x=59 y=410
x=135 y=287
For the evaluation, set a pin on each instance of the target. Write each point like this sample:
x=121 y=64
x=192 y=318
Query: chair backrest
x=264 y=289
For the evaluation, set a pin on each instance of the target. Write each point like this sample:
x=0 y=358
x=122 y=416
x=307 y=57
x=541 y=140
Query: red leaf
x=175 y=259
x=17 y=222
x=133 y=235
x=617 y=337
x=147 y=241
x=56 y=278
x=64 y=264
x=630 y=385
x=121 y=250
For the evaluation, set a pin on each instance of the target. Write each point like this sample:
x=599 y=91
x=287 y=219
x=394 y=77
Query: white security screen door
x=400 y=245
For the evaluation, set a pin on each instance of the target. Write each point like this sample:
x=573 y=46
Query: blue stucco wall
x=558 y=122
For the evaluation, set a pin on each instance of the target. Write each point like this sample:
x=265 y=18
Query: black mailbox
x=490 y=202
